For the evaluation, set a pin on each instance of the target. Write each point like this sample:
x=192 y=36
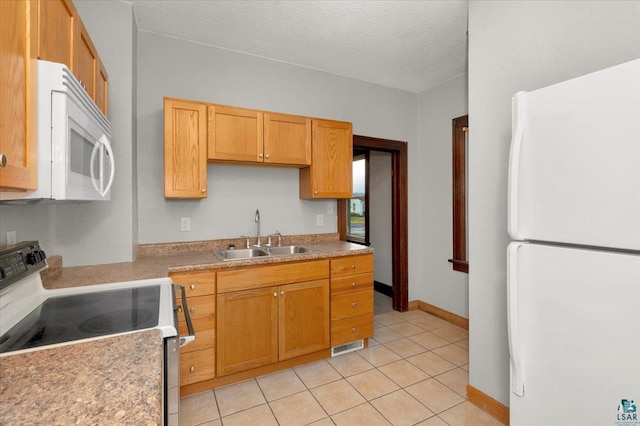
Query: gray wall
x=182 y=69
x=437 y=283
x=520 y=46
x=380 y=217
x=97 y=232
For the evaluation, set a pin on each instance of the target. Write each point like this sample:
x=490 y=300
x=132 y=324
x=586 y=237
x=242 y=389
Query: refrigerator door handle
x=517 y=381
x=517 y=129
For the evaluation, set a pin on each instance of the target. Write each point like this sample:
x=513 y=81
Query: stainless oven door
x=172 y=347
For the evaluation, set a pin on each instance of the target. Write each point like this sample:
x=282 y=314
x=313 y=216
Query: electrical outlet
x=185 y=224
x=330 y=207
x=11 y=237
x=319 y=220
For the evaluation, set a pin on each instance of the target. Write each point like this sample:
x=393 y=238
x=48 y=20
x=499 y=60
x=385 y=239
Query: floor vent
x=349 y=347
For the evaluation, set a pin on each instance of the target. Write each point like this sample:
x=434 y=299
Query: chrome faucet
x=257 y=219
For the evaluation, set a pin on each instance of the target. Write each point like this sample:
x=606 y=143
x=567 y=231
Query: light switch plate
x=185 y=224
x=11 y=237
x=319 y=220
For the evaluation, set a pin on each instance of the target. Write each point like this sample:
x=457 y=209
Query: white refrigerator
x=573 y=266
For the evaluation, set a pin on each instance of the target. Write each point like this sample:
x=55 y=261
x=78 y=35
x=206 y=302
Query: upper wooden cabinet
x=185 y=149
x=62 y=37
x=56 y=31
x=250 y=136
x=18 y=96
x=330 y=173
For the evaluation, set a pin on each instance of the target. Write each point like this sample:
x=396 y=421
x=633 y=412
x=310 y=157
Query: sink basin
x=239 y=254
x=284 y=250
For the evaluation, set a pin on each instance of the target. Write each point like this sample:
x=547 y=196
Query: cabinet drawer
x=197 y=366
x=352 y=283
x=195 y=283
x=272 y=275
x=351 y=265
x=351 y=304
x=202 y=307
x=350 y=329
x=205 y=334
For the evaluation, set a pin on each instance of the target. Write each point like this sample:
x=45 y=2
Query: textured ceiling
x=409 y=45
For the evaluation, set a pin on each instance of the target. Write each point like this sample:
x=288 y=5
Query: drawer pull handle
x=192 y=369
x=353 y=284
x=354 y=329
x=353 y=266
x=192 y=310
x=192 y=286
x=354 y=304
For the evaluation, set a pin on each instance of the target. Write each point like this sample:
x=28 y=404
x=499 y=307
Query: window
x=358 y=206
x=460 y=259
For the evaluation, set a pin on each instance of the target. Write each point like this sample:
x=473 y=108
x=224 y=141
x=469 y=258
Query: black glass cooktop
x=82 y=316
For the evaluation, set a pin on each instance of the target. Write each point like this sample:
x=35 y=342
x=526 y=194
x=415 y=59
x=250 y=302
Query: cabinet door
x=56 y=31
x=303 y=318
x=185 y=156
x=287 y=139
x=85 y=59
x=18 y=95
x=329 y=175
x=235 y=134
x=247 y=330
x=102 y=88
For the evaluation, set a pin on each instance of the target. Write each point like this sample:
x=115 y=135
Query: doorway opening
x=399 y=214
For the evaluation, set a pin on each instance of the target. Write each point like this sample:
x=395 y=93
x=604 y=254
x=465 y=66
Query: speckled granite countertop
x=117 y=380
x=157 y=260
x=97 y=382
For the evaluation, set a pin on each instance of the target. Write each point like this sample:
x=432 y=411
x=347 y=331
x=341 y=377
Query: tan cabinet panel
x=350 y=329
x=197 y=366
x=352 y=283
x=102 y=88
x=247 y=330
x=350 y=265
x=56 y=30
x=234 y=134
x=18 y=95
x=351 y=304
x=198 y=283
x=287 y=139
x=185 y=149
x=85 y=61
x=303 y=318
x=267 y=276
x=205 y=336
x=330 y=173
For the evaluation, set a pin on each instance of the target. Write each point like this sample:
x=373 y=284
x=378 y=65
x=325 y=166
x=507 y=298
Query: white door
x=574 y=172
x=574 y=319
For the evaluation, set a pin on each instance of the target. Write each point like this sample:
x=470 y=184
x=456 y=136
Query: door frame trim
x=399 y=204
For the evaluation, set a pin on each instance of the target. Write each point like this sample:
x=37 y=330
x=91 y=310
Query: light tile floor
x=415 y=372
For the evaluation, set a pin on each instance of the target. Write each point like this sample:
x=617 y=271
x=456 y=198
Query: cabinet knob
x=282 y=293
x=275 y=294
x=354 y=284
x=353 y=266
x=354 y=329
x=179 y=308
x=315 y=191
x=203 y=190
x=3 y=160
x=354 y=304
x=260 y=155
x=192 y=310
x=192 y=286
x=266 y=156
x=192 y=369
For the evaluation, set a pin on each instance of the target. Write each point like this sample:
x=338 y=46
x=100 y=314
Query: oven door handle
x=185 y=309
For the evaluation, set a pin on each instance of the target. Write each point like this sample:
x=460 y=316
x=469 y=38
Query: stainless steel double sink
x=250 y=253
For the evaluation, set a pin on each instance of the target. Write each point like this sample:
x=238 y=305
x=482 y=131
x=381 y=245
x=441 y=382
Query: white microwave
x=75 y=159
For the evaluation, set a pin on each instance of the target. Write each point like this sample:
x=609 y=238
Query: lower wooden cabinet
x=262 y=326
x=198 y=359
x=351 y=299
